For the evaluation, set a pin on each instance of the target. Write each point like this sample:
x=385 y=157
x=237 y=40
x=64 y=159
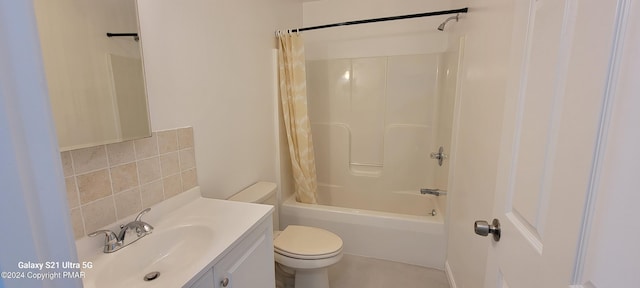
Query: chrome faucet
x=436 y=192
x=142 y=228
x=113 y=242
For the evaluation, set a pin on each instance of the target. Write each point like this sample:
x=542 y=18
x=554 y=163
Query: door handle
x=483 y=228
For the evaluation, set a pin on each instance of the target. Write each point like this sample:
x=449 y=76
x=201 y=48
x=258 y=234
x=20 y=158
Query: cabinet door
x=206 y=281
x=249 y=265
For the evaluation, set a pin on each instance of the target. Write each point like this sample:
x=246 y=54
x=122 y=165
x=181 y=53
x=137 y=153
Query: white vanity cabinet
x=248 y=264
x=206 y=281
x=196 y=243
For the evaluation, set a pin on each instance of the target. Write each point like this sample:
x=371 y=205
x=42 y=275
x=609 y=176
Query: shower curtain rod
x=134 y=35
x=427 y=14
x=122 y=34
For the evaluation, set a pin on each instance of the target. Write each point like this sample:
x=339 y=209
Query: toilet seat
x=307 y=243
x=308 y=251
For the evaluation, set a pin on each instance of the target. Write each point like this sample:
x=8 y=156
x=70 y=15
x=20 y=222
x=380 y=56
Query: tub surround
x=406 y=74
x=373 y=121
x=107 y=183
x=410 y=203
x=376 y=121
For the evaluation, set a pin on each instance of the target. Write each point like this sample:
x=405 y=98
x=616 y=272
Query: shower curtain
x=293 y=96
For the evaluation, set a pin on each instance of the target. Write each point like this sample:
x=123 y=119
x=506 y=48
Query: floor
x=361 y=272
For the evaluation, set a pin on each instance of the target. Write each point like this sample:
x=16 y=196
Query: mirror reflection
x=96 y=83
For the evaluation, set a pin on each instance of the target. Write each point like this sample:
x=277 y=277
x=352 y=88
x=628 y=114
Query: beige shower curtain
x=293 y=95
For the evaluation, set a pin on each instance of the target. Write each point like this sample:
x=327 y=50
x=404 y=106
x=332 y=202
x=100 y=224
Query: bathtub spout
x=436 y=192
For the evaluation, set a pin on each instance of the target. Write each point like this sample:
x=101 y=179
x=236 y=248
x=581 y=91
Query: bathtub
x=375 y=228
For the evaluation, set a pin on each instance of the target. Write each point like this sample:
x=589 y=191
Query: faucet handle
x=111 y=243
x=108 y=235
x=139 y=217
x=144 y=227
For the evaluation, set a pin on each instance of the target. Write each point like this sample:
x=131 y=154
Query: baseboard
x=447 y=270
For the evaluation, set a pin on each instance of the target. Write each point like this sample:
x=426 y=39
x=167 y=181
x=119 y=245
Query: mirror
x=96 y=83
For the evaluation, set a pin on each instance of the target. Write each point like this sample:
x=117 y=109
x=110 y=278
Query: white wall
x=403 y=37
x=208 y=64
x=478 y=119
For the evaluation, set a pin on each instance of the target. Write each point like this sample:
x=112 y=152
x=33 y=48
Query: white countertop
x=230 y=221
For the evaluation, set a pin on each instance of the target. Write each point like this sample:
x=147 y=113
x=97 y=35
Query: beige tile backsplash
x=152 y=193
x=149 y=170
x=93 y=186
x=109 y=182
x=167 y=141
x=146 y=147
x=89 y=159
x=172 y=185
x=124 y=177
x=185 y=138
x=97 y=214
x=187 y=159
x=120 y=153
x=170 y=163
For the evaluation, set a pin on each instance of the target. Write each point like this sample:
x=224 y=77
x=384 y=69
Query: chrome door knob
x=224 y=282
x=483 y=228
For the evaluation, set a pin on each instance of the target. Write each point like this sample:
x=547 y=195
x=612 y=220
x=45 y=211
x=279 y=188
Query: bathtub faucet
x=436 y=192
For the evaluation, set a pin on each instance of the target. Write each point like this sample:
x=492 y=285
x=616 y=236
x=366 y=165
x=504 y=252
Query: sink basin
x=167 y=250
x=191 y=235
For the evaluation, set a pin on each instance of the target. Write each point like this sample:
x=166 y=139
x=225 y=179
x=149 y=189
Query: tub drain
x=151 y=276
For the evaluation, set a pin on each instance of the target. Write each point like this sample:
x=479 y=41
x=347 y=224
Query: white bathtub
x=417 y=239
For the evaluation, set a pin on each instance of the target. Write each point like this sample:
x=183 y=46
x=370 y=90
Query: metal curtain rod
x=435 y=13
x=134 y=35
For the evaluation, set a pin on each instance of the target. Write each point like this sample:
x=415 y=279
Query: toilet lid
x=307 y=242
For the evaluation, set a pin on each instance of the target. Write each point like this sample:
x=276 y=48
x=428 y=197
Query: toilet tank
x=260 y=193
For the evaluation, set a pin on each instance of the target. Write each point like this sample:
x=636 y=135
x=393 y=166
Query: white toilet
x=309 y=251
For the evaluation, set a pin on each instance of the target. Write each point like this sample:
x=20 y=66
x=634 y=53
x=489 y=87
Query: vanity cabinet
x=206 y=281
x=248 y=264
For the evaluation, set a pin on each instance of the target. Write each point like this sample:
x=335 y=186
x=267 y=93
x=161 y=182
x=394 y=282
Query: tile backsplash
x=109 y=182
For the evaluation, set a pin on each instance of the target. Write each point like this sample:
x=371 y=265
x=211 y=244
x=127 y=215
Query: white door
x=565 y=58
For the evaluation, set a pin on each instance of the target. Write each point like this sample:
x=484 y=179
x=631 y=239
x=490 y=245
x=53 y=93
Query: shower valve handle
x=440 y=155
